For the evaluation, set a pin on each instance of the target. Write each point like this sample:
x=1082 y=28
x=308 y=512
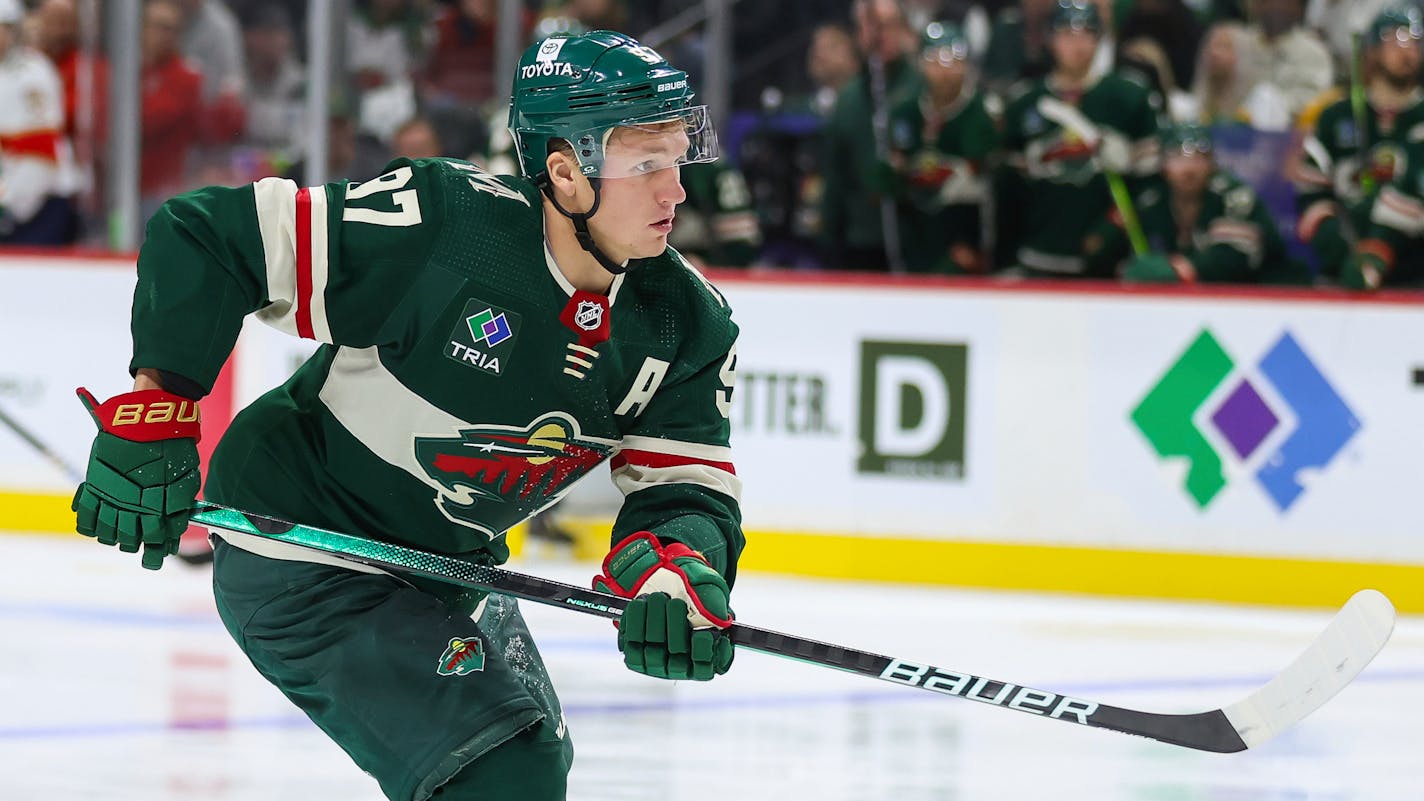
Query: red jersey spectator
x=172 y=104
x=57 y=36
x=461 y=65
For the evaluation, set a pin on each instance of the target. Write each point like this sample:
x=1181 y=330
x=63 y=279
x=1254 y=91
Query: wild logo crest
x=492 y=477
x=462 y=656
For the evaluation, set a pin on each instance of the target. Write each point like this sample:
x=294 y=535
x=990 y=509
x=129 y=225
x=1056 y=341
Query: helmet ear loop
x=580 y=221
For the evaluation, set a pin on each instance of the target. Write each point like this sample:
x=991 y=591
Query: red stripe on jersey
x=40 y=143
x=304 y=265
x=653 y=459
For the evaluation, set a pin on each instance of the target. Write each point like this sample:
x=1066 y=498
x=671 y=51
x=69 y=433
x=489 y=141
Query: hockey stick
x=1351 y=640
x=55 y=459
x=1076 y=121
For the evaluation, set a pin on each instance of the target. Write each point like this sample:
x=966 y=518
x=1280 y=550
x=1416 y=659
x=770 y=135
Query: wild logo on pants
x=462 y=656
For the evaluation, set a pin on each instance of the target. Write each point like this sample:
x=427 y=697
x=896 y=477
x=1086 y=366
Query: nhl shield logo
x=589 y=315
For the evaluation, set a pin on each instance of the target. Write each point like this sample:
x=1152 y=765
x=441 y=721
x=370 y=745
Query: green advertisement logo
x=912 y=409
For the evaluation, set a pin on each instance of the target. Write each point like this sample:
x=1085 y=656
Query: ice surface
x=119 y=683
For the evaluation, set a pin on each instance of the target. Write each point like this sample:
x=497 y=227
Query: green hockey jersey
x=1232 y=239
x=940 y=186
x=1335 y=172
x=1054 y=191
x=1396 y=226
x=464 y=384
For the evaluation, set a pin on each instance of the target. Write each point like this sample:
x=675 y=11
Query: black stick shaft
x=1207 y=731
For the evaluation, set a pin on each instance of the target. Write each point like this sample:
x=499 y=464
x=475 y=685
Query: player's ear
x=564 y=175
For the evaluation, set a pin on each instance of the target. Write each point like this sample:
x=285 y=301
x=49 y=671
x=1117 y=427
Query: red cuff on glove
x=148 y=415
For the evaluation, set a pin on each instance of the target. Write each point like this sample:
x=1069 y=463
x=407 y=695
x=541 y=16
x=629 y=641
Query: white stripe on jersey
x=674 y=447
x=380 y=412
x=276 y=221
x=631 y=478
x=276 y=208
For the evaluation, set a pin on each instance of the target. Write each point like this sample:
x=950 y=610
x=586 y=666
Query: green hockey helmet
x=1186 y=139
x=944 y=42
x=1395 y=24
x=1076 y=15
x=581 y=89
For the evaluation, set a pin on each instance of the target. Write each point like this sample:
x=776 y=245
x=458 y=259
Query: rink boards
x=1258 y=447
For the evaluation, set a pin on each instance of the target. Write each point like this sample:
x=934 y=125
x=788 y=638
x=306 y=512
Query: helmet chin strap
x=580 y=221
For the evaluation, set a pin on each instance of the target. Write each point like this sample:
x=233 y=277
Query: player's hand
x=143 y=473
x=674 y=626
x=1363 y=272
x=1114 y=153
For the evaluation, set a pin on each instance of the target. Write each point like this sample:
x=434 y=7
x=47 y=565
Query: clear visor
x=648 y=144
x=945 y=56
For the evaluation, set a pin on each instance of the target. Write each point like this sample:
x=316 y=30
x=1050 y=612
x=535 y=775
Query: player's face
x=1073 y=50
x=945 y=76
x=1187 y=174
x=636 y=212
x=1400 y=59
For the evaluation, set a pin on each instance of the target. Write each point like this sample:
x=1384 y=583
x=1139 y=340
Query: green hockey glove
x=674 y=626
x=1363 y=272
x=1152 y=268
x=143 y=473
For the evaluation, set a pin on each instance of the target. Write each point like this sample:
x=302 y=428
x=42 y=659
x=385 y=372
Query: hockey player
x=1062 y=136
x=32 y=211
x=1358 y=148
x=1204 y=224
x=489 y=341
x=940 y=140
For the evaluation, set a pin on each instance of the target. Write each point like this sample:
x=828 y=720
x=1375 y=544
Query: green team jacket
x=1233 y=238
x=1332 y=173
x=1053 y=192
x=851 y=172
x=462 y=386
x=941 y=186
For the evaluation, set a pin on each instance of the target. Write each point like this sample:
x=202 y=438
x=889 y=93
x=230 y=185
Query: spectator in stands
x=1175 y=29
x=460 y=70
x=1065 y=138
x=211 y=42
x=171 y=100
x=1341 y=167
x=416 y=139
x=1166 y=35
x=276 y=81
x=85 y=77
x=33 y=211
x=854 y=203
x=457 y=83
x=57 y=36
x=386 y=43
x=940 y=142
x=1264 y=73
x=1201 y=225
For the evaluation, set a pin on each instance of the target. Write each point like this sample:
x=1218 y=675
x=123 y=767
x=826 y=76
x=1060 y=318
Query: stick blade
x=1358 y=632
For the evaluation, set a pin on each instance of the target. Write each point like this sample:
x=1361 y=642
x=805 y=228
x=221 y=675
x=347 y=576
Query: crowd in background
x=1261 y=141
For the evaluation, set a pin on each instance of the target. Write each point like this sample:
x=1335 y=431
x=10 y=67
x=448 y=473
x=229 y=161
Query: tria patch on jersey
x=462 y=655
x=492 y=477
x=484 y=337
